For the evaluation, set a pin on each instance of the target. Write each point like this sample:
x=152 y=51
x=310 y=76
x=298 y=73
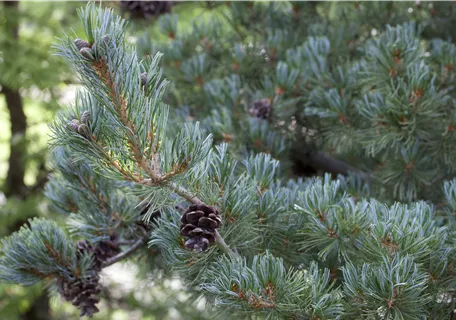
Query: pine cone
x=106 y=39
x=101 y=252
x=105 y=250
x=83 y=130
x=79 y=127
x=82 y=247
x=81 y=44
x=199 y=223
x=146 y=9
x=144 y=78
x=74 y=125
x=84 y=292
x=87 y=53
x=261 y=109
x=85 y=117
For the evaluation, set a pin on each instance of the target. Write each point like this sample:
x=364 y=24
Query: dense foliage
x=328 y=78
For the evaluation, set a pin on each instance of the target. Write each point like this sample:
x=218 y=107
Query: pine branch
x=121 y=108
x=124 y=254
x=184 y=193
x=293 y=222
x=223 y=246
x=40 y=251
x=321 y=161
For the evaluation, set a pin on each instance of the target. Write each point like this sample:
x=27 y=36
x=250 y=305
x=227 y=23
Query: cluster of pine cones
x=199 y=224
x=146 y=9
x=84 y=293
x=81 y=126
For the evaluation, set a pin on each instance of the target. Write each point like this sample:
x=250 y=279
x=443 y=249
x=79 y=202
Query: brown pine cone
x=83 y=292
x=104 y=250
x=83 y=246
x=261 y=109
x=101 y=251
x=198 y=224
x=146 y=9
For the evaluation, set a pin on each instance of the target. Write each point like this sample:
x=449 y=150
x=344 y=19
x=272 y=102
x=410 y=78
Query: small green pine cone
x=74 y=125
x=81 y=44
x=144 y=78
x=83 y=130
x=87 y=53
x=106 y=38
x=85 y=117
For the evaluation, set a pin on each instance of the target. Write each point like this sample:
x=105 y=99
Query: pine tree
x=249 y=240
x=319 y=65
